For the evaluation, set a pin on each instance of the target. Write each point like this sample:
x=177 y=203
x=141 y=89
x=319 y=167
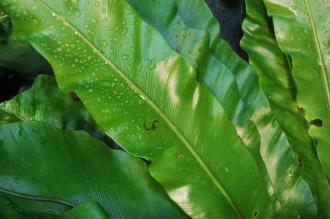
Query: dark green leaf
x=146 y=97
x=6 y=117
x=19 y=56
x=236 y=87
x=45 y=165
x=12 y=207
x=44 y=101
x=89 y=210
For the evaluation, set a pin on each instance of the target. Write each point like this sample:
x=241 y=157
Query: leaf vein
x=153 y=105
x=319 y=52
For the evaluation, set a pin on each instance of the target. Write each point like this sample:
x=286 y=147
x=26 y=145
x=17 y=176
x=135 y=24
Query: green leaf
x=145 y=96
x=236 y=87
x=87 y=211
x=16 y=207
x=45 y=102
x=45 y=165
x=276 y=80
x=64 y=111
x=19 y=56
x=6 y=117
x=303 y=32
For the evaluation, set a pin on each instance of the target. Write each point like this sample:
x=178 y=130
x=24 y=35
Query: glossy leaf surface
x=87 y=211
x=145 y=96
x=12 y=207
x=18 y=208
x=236 y=87
x=277 y=82
x=302 y=31
x=48 y=166
x=45 y=102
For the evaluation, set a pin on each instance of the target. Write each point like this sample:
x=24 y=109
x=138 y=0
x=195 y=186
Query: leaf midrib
x=320 y=54
x=152 y=104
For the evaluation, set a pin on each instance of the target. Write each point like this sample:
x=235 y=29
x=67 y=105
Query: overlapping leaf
x=302 y=32
x=87 y=211
x=236 y=87
x=64 y=111
x=19 y=57
x=46 y=171
x=145 y=96
x=18 y=206
x=44 y=101
x=274 y=70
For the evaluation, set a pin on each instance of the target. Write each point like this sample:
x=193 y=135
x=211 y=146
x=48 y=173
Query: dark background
x=230 y=15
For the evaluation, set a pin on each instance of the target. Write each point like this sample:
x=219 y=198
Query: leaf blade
x=186 y=34
x=33 y=160
x=277 y=82
x=305 y=19
x=172 y=87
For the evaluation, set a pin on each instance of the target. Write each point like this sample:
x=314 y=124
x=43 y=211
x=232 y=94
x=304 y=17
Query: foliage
x=222 y=137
